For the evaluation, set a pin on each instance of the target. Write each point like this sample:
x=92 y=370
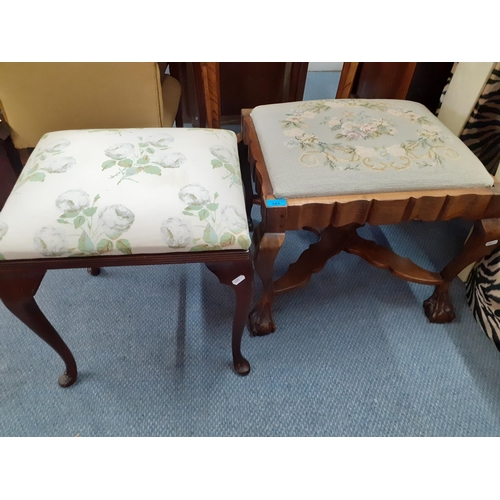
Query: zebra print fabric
x=445 y=88
x=483 y=295
x=482 y=131
x=482 y=135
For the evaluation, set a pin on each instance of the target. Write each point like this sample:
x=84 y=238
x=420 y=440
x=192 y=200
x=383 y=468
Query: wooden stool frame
x=20 y=279
x=339 y=217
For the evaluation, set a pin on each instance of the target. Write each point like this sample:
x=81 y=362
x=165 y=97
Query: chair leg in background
x=266 y=249
x=8 y=171
x=247 y=182
x=239 y=276
x=17 y=292
x=484 y=238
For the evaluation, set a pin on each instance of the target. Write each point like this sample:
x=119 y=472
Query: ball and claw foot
x=242 y=367
x=438 y=307
x=66 y=380
x=94 y=271
x=262 y=321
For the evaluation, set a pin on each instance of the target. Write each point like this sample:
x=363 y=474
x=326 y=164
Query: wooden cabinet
x=246 y=85
x=225 y=88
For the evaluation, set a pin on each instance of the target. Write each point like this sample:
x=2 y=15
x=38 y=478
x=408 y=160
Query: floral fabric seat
x=126 y=191
x=356 y=146
x=125 y=197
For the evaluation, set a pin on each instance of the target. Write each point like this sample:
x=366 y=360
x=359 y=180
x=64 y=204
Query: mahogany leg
x=485 y=236
x=239 y=276
x=17 y=292
x=266 y=248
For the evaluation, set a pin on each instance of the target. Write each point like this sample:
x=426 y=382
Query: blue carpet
x=353 y=354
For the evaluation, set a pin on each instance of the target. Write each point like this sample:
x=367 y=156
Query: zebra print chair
x=470 y=107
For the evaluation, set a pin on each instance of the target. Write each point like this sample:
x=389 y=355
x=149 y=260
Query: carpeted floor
x=353 y=355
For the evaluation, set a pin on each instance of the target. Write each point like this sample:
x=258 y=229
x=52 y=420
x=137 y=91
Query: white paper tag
x=238 y=280
x=494 y=242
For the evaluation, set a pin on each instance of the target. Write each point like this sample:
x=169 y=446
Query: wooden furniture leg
x=247 y=182
x=17 y=292
x=239 y=276
x=266 y=247
x=485 y=236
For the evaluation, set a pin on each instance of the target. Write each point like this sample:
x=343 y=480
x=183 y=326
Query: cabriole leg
x=485 y=236
x=239 y=276
x=17 y=292
x=266 y=249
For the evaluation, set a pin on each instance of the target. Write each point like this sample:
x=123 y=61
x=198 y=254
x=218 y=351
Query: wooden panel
x=246 y=85
x=384 y=80
x=207 y=77
x=347 y=78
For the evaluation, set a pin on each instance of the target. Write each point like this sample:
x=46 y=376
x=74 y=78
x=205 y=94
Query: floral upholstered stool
x=336 y=165
x=92 y=198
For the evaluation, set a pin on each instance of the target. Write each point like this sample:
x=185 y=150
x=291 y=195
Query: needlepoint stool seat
x=338 y=164
x=96 y=198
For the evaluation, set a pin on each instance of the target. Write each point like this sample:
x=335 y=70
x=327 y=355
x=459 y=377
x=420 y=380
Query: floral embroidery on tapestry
x=348 y=126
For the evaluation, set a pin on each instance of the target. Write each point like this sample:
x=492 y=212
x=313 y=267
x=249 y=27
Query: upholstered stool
x=95 y=198
x=336 y=165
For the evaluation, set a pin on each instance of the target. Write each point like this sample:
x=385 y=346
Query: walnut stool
x=336 y=165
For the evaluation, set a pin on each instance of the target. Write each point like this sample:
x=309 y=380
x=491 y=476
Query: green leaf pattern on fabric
x=229 y=161
x=221 y=226
x=46 y=161
x=149 y=156
x=95 y=229
x=352 y=129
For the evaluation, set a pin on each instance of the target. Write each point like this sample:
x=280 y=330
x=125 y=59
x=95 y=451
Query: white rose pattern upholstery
x=113 y=197
x=135 y=191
